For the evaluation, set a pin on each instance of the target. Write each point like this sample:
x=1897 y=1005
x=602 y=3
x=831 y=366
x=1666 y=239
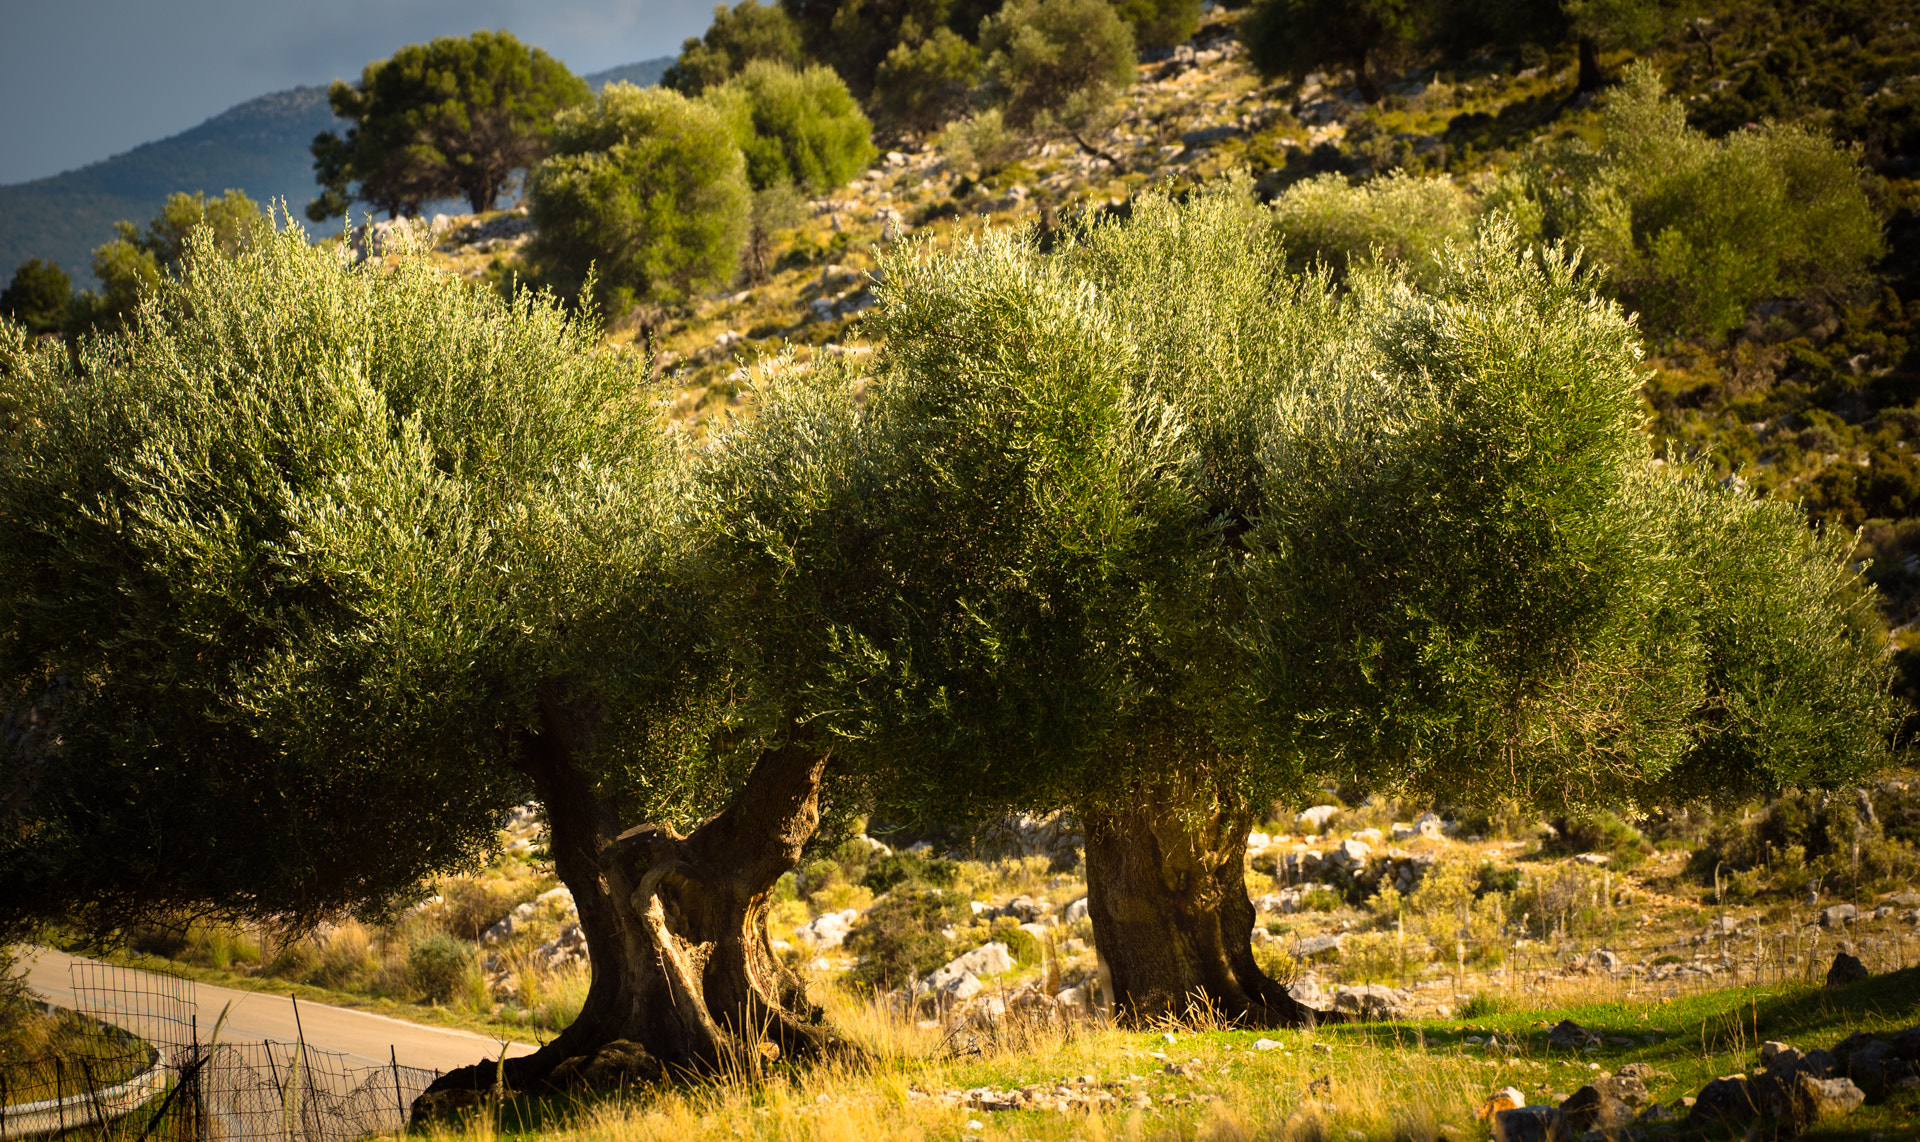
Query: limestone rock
x=1846 y=969
x=1811 y=1100
x=1372 y=1001
x=1314 y=946
x=1607 y=1104
x=1506 y=1098
x=828 y=930
x=1350 y=855
x=1838 y=916
x=951 y=980
x=1076 y=912
x=1316 y=817
x=1726 y=1100
x=1869 y=1065
x=1530 y=1124
x=1568 y=1035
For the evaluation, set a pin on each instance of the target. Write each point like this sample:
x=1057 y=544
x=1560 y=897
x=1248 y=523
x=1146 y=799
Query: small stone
x=1265 y=1045
x=1838 y=916
x=1771 y=1050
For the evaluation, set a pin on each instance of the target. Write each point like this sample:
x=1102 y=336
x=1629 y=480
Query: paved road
x=257 y=1016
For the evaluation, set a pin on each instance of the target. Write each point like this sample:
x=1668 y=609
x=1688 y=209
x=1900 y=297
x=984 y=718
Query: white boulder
x=828 y=930
x=1315 y=817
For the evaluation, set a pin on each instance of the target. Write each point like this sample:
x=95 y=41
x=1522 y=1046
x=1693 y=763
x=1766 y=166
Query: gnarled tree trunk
x=676 y=927
x=1171 y=918
x=1592 y=76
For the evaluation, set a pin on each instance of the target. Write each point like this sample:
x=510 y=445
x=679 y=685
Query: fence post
x=306 y=1060
x=399 y=1103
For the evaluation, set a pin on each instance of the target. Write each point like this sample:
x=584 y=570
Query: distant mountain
x=259 y=146
x=646 y=73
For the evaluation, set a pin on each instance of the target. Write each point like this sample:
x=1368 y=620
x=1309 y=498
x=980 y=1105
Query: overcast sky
x=84 y=79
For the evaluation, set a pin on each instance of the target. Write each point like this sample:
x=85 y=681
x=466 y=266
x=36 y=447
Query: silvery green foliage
x=1470 y=577
x=1400 y=217
x=1152 y=506
x=306 y=547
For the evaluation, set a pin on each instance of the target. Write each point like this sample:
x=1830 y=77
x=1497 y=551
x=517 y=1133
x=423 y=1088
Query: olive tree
x=1155 y=531
x=316 y=571
x=646 y=189
x=1401 y=218
x=1293 y=37
x=922 y=86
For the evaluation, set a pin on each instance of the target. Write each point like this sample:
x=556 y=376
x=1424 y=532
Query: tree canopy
x=452 y=117
x=739 y=35
x=133 y=264
x=317 y=570
x=37 y=296
x=1292 y=37
x=1059 y=61
x=795 y=128
x=647 y=189
x=283 y=479
x=1151 y=529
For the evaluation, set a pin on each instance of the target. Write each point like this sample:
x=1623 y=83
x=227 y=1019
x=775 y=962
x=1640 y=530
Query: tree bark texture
x=1167 y=895
x=676 y=926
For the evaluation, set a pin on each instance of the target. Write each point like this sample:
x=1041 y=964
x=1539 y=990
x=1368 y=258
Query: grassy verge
x=48 y=1054
x=1414 y=1081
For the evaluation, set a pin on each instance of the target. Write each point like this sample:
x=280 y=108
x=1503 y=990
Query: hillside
x=259 y=146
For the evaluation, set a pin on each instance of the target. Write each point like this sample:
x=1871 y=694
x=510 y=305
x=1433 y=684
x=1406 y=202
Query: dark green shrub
x=437 y=967
x=889 y=872
x=1293 y=37
x=1056 y=61
x=899 y=939
x=1600 y=833
x=1493 y=878
x=1022 y=946
x=1160 y=23
x=1694 y=231
x=37 y=296
x=922 y=86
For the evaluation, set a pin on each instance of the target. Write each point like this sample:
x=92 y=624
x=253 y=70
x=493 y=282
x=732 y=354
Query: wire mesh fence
x=152 y=1073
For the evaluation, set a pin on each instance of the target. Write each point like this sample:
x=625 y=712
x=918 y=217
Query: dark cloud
x=84 y=79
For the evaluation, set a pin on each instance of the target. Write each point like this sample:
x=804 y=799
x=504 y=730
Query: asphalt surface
x=140 y=1002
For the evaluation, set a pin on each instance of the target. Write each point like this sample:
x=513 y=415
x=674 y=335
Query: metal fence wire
x=187 y=1086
